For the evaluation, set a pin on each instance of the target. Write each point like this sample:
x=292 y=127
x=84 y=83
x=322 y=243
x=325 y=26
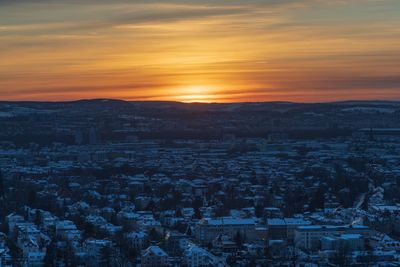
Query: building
x=5 y=258
x=154 y=256
x=96 y=251
x=175 y=242
x=208 y=229
x=67 y=230
x=272 y=212
x=195 y=256
x=137 y=240
x=309 y=237
x=343 y=242
x=283 y=229
x=13 y=219
x=35 y=258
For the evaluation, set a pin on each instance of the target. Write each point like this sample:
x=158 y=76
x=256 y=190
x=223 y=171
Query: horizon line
x=197 y=102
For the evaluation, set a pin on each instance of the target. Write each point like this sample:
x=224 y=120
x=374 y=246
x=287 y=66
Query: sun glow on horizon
x=196 y=93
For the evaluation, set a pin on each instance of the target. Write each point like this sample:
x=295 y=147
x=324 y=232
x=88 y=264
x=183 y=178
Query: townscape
x=115 y=183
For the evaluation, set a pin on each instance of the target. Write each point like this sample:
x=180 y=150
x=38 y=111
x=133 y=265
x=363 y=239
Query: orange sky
x=211 y=51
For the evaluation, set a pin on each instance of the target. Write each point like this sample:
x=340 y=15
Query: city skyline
x=213 y=51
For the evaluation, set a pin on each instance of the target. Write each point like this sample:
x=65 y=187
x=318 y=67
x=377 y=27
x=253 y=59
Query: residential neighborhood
x=245 y=191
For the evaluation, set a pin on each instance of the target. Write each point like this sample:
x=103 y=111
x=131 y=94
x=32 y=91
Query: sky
x=200 y=50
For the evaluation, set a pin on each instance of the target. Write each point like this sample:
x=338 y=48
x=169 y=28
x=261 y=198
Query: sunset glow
x=200 y=51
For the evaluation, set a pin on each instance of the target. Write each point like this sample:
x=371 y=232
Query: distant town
x=116 y=183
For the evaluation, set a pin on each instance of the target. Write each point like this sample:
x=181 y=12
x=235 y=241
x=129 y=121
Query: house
x=175 y=243
x=94 y=250
x=224 y=243
x=137 y=240
x=48 y=220
x=12 y=219
x=154 y=256
x=195 y=256
x=66 y=229
x=35 y=258
x=128 y=218
x=187 y=212
x=169 y=218
x=5 y=257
